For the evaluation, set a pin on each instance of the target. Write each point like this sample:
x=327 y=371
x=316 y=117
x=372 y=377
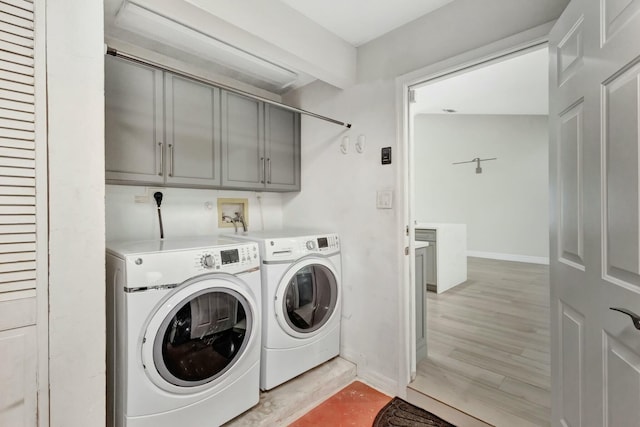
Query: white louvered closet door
x=23 y=207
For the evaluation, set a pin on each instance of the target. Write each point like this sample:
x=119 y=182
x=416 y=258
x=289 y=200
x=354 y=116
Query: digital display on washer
x=322 y=242
x=230 y=256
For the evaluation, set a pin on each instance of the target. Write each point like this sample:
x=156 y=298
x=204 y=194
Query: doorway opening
x=478 y=197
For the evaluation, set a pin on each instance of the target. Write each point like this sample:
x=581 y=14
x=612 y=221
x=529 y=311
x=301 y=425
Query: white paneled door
x=595 y=227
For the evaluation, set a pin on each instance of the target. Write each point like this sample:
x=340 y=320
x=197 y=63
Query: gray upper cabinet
x=260 y=145
x=192 y=132
x=163 y=128
x=282 y=149
x=133 y=122
x=243 y=161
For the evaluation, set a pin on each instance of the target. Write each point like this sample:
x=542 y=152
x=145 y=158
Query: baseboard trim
x=370 y=376
x=377 y=381
x=510 y=257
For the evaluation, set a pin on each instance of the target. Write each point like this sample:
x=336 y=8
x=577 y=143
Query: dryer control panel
x=291 y=248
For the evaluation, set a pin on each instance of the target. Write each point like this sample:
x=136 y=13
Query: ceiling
x=518 y=85
x=360 y=21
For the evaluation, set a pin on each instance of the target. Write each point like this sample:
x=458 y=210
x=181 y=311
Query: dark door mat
x=403 y=414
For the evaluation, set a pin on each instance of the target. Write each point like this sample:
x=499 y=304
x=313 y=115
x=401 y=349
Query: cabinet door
x=432 y=265
x=243 y=161
x=192 y=132
x=282 y=143
x=421 y=303
x=133 y=122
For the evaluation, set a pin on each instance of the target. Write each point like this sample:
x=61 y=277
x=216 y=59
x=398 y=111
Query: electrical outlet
x=147 y=197
x=141 y=199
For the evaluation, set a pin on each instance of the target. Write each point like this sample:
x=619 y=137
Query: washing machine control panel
x=230 y=260
x=171 y=267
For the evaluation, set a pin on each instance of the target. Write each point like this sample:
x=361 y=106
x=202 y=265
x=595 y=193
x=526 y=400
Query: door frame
x=42 y=214
x=464 y=62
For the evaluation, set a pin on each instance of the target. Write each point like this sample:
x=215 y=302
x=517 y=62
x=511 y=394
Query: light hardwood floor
x=488 y=344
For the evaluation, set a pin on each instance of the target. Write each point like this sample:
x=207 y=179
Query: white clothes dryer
x=184 y=328
x=302 y=300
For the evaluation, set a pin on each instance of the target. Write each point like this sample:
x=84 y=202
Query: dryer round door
x=307 y=297
x=199 y=332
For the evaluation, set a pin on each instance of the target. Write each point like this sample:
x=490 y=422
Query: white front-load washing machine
x=184 y=328
x=302 y=298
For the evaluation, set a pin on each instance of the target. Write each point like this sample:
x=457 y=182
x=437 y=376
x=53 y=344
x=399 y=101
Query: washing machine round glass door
x=198 y=333
x=307 y=297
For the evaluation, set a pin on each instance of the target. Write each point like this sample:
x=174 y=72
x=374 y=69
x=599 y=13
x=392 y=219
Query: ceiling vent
x=169 y=32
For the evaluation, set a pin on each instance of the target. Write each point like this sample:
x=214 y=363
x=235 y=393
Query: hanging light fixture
x=477 y=161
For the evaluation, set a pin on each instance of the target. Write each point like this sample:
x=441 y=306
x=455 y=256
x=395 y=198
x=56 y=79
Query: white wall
x=75 y=84
x=185 y=212
x=338 y=191
x=506 y=206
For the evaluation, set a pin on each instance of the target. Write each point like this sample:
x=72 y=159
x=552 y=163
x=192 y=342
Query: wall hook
x=344 y=145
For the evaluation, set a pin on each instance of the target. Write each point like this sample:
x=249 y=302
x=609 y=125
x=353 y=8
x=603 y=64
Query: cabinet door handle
x=171 y=159
x=635 y=319
x=161 y=159
x=262 y=171
x=269 y=170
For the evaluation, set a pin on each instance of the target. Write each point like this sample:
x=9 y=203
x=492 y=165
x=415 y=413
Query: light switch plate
x=384 y=199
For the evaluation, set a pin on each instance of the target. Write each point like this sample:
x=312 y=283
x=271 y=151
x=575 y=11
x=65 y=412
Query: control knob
x=207 y=261
x=311 y=244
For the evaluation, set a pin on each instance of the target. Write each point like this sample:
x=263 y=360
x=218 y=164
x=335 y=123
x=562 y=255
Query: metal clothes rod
x=113 y=52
